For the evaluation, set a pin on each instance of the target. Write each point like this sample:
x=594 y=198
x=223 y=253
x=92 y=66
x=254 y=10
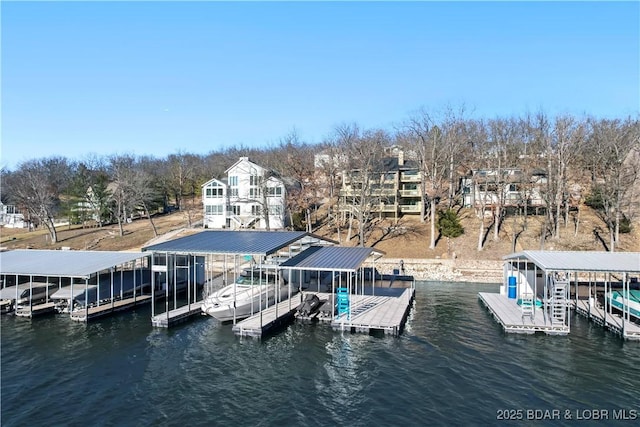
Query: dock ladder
x=559 y=304
x=343 y=302
x=526 y=306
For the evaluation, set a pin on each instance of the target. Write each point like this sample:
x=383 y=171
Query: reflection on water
x=453 y=365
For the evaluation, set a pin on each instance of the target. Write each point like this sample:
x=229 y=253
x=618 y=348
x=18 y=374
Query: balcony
x=413 y=209
x=383 y=207
x=410 y=193
x=411 y=176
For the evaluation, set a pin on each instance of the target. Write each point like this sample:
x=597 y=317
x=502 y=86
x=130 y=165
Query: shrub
x=449 y=224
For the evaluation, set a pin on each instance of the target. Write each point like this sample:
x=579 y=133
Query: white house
x=10 y=217
x=252 y=197
x=512 y=187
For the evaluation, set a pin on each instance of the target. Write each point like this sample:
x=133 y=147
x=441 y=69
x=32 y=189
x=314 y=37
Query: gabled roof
x=62 y=263
x=230 y=242
x=330 y=258
x=242 y=160
x=222 y=183
x=582 y=260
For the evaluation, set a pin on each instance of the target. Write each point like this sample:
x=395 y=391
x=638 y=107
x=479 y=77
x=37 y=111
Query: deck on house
x=509 y=315
x=177 y=315
x=612 y=321
x=85 y=315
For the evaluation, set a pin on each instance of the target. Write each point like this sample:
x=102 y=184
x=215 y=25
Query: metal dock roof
x=582 y=260
x=62 y=263
x=330 y=258
x=230 y=242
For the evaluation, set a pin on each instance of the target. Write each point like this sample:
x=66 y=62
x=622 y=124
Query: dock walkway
x=509 y=315
x=613 y=322
x=269 y=319
x=178 y=315
x=85 y=315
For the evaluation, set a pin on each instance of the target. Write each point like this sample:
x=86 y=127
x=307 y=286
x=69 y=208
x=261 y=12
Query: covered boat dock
x=541 y=287
x=214 y=259
x=354 y=298
x=85 y=284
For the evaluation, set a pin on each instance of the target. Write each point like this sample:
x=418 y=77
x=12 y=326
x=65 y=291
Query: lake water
x=453 y=365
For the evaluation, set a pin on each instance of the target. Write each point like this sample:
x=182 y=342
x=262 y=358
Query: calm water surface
x=453 y=365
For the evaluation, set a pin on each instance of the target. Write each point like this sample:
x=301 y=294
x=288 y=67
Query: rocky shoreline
x=446 y=270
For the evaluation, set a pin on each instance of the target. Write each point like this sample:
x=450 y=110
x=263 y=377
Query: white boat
x=248 y=295
x=35 y=293
x=623 y=301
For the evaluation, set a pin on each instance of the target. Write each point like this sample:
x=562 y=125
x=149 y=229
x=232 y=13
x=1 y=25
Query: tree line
x=585 y=160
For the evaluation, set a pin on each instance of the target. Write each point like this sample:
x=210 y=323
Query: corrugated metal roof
x=582 y=260
x=330 y=258
x=230 y=242
x=62 y=263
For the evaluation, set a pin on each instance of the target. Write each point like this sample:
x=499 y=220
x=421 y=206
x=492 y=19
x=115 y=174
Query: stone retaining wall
x=449 y=270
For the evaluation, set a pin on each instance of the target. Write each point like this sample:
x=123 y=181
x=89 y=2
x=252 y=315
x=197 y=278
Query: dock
x=177 y=315
x=91 y=313
x=509 y=315
x=36 y=310
x=611 y=321
x=269 y=319
x=369 y=313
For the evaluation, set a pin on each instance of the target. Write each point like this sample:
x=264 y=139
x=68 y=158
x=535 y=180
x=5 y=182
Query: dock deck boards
x=272 y=317
x=85 y=315
x=613 y=322
x=509 y=315
x=382 y=313
x=369 y=312
x=178 y=315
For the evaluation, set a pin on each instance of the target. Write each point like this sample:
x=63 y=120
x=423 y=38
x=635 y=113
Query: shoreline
x=445 y=270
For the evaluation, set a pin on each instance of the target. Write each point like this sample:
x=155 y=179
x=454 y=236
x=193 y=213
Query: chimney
x=400 y=158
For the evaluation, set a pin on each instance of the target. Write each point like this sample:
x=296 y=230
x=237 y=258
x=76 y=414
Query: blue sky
x=164 y=77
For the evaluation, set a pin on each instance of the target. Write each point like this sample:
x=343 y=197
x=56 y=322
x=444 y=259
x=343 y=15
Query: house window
x=254 y=192
x=255 y=210
x=215 y=192
x=274 y=191
x=233 y=181
x=235 y=209
x=214 y=209
x=234 y=192
x=275 y=210
x=254 y=180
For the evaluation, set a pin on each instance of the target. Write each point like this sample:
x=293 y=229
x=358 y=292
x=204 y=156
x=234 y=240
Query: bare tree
x=433 y=158
x=617 y=172
x=298 y=164
x=36 y=188
x=363 y=151
x=122 y=169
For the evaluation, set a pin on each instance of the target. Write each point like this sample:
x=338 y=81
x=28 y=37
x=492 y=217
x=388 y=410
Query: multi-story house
x=509 y=187
x=395 y=190
x=249 y=197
